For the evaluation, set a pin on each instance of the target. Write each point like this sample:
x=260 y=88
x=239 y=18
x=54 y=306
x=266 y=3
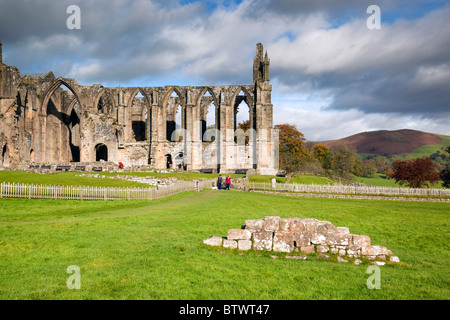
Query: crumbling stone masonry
x=48 y=120
x=304 y=236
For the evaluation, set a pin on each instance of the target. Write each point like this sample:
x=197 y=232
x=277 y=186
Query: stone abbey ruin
x=46 y=120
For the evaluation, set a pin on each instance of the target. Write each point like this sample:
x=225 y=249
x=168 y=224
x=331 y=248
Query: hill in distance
x=385 y=142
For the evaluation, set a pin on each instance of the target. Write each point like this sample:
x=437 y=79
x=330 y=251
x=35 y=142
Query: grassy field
x=154 y=250
x=427 y=150
x=75 y=178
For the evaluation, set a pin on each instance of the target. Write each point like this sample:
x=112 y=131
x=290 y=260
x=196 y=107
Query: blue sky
x=331 y=75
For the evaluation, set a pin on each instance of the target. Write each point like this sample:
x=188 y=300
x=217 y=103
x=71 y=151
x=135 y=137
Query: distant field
x=427 y=150
x=153 y=250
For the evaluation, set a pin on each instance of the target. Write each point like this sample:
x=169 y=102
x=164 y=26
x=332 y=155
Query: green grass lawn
x=74 y=178
x=154 y=250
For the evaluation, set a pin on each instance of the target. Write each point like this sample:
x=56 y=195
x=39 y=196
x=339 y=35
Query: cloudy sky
x=332 y=76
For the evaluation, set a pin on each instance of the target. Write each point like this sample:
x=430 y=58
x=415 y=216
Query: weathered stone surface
x=342 y=252
x=310 y=224
x=239 y=234
x=214 y=241
x=339 y=239
x=394 y=259
x=283 y=241
x=308 y=249
x=296 y=225
x=339 y=259
x=379 y=263
x=272 y=223
x=232 y=244
x=361 y=240
x=323 y=256
x=297 y=257
x=375 y=251
x=318 y=239
x=326 y=227
x=254 y=225
x=284 y=225
x=244 y=245
x=302 y=239
x=322 y=248
x=343 y=230
x=357 y=261
x=262 y=240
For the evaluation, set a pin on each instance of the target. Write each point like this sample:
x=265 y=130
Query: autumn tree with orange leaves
x=292 y=148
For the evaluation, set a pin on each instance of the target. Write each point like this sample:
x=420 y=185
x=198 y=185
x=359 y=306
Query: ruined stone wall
x=302 y=237
x=50 y=120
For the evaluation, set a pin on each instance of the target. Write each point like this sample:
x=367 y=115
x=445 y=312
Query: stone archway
x=101 y=152
x=59 y=124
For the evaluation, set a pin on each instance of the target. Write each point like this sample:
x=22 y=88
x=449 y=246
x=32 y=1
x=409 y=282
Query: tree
x=292 y=147
x=322 y=153
x=345 y=162
x=369 y=168
x=416 y=173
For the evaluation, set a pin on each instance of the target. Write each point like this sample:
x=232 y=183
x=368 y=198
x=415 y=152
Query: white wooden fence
x=347 y=189
x=30 y=191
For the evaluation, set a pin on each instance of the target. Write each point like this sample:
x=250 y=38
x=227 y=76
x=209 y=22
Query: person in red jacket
x=120 y=165
x=227 y=183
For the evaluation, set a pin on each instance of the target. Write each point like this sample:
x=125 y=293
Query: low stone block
x=310 y=224
x=232 y=244
x=271 y=223
x=284 y=225
x=296 y=225
x=339 y=239
x=302 y=239
x=326 y=227
x=323 y=256
x=214 y=241
x=322 y=248
x=375 y=251
x=254 y=225
x=343 y=230
x=308 y=249
x=297 y=257
x=244 y=245
x=239 y=234
x=342 y=252
x=360 y=240
x=394 y=259
x=262 y=240
x=283 y=241
x=318 y=239
x=339 y=259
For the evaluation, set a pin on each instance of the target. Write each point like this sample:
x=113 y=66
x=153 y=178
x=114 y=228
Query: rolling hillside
x=398 y=142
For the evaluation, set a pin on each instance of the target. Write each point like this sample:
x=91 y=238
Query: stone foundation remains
x=305 y=236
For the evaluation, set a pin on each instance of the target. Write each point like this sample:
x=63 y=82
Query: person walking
x=219 y=182
x=227 y=182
